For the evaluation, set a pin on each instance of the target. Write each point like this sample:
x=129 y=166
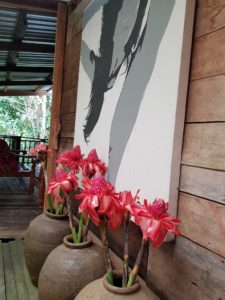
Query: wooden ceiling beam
x=23 y=93
x=48 y=6
x=26 y=47
x=16 y=69
x=25 y=83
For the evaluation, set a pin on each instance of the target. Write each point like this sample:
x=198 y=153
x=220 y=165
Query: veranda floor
x=17 y=207
x=15 y=283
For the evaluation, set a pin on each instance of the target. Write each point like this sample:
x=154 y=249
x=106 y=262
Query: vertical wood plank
x=10 y=284
x=16 y=256
x=57 y=85
x=2 y=277
x=32 y=291
x=67 y=127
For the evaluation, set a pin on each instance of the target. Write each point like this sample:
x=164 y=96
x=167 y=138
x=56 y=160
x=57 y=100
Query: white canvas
x=139 y=129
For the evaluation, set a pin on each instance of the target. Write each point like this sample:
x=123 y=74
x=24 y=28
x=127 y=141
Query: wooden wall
x=70 y=76
x=194 y=267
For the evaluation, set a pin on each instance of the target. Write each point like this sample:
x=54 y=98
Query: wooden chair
x=10 y=165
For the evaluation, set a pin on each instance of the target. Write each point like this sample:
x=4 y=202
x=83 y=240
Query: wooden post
x=57 y=86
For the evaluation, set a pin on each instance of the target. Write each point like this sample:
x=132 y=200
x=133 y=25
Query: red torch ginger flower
x=63 y=181
x=127 y=201
x=155 y=221
x=40 y=148
x=72 y=159
x=99 y=197
x=93 y=165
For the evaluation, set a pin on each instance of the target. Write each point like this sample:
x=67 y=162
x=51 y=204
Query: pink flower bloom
x=63 y=181
x=72 y=159
x=155 y=221
x=127 y=201
x=40 y=148
x=100 y=198
x=92 y=165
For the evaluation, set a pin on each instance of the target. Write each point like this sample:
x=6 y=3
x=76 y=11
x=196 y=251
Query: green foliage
x=25 y=116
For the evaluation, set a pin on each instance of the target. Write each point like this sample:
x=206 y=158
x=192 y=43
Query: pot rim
x=53 y=216
x=68 y=244
x=120 y=290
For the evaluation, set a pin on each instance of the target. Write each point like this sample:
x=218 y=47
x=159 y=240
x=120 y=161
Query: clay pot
x=101 y=290
x=44 y=234
x=69 y=268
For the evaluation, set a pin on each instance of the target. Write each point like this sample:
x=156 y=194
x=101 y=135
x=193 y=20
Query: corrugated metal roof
x=38 y=29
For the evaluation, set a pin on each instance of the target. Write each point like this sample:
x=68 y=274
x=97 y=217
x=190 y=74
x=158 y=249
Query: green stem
x=126 y=252
x=50 y=207
x=61 y=209
x=86 y=228
x=125 y=271
x=103 y=230
x=74 y=234
x=80 y=229
x=71 y=220
x=132 y=278
x=110 y=277
x=135 y=270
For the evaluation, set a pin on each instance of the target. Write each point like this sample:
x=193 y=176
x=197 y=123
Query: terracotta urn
x=101 y=290
x=69 y=268
x=44 y=234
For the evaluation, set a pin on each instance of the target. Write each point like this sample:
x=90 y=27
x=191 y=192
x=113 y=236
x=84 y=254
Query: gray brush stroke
x=136 y=81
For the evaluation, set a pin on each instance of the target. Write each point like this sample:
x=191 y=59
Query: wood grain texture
x=66 y=144
x=208 y=56
x=68 y=123
x=203 y=222
x=15 y=280
x=206 y=101
x=75 y=20
x=57 y=86
x=72 y=61
x=204 y=145
x=210 y=16
x=10 y=282
x=186 y=271
x=2 y=269
x=69 y=101
x=17 y=208
x=204 y=183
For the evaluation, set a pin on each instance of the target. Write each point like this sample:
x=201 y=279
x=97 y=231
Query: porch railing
x=21 y=145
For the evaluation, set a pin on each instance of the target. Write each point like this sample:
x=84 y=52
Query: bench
x=10 y=164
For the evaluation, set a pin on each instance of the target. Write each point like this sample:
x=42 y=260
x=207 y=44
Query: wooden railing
x=20 y=145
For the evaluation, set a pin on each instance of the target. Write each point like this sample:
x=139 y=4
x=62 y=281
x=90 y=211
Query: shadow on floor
x=17 y=207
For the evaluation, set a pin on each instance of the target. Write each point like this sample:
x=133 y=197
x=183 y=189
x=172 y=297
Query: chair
x=10 y=165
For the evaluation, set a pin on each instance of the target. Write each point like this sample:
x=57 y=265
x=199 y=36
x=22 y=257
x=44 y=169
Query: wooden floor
x=15 y=283
x=17 y=207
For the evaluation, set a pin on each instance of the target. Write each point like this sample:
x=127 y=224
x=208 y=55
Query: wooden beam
x=48 y=6
x=25 y=83
x=57 y=86
x=26 y=47
x=26 y=69
x=23 y=93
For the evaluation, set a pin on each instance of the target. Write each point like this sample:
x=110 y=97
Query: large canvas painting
x=132 y=91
